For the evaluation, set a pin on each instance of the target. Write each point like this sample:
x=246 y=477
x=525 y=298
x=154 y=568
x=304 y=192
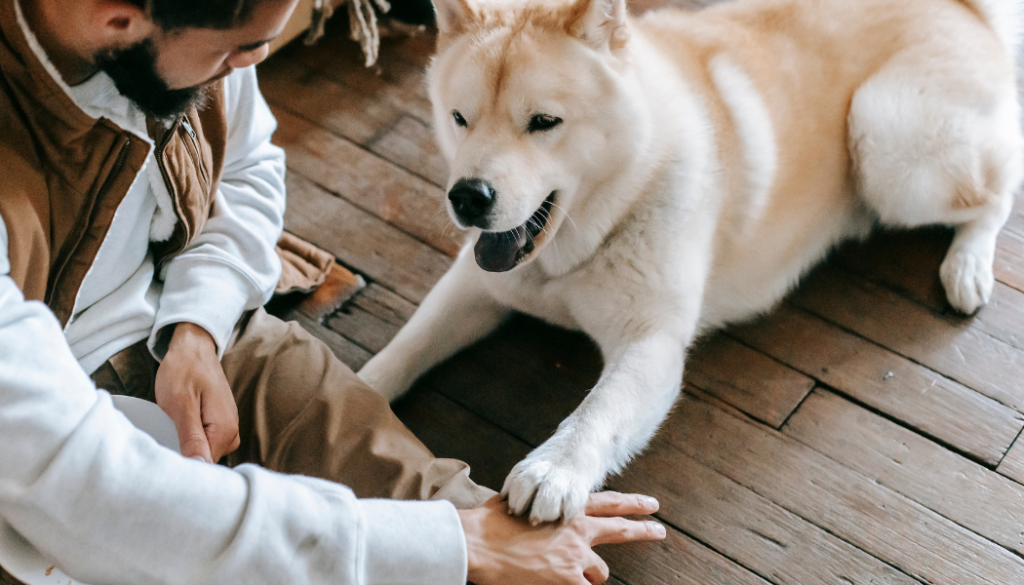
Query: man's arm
x=229 y=268
x=81 y=484
x=232 y=266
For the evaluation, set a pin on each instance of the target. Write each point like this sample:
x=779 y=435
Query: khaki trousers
x=302 y=411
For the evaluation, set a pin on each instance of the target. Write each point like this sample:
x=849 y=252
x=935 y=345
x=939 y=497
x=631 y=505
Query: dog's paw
x=549 y=491
x=968 y=280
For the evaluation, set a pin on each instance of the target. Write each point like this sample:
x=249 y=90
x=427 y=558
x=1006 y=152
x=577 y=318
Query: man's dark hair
x=177 y=14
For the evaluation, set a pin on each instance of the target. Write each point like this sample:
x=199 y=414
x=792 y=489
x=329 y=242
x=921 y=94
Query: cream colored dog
x=648 y=179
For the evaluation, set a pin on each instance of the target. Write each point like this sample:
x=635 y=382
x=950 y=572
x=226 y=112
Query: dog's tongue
x=498 y=252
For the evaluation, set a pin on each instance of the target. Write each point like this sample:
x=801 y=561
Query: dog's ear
x=453 y=16
x=600 y=23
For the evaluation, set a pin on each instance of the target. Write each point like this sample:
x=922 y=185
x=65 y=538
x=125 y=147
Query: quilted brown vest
x=63 y=174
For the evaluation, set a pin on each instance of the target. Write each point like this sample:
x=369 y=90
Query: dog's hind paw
x=968 y=280
x=549 y=491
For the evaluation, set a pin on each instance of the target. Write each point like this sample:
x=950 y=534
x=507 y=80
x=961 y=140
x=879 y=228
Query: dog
x=646 y=180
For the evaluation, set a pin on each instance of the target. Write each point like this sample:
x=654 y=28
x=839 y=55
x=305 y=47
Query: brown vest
x=63 y=174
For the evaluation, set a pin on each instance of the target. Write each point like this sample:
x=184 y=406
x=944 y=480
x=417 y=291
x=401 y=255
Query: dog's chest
x=529 y=292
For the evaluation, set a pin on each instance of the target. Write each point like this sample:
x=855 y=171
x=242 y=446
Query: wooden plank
x=293 y=87
x=372 y=317
x=909 y=261
x=449 y=430
x=749 y=380
x=1012 y=466
x=367 y=181
x=641 y=6
x=379 y=126
x=1009 y=264
x=362 y=241
x=726 y=369
x=1003 y=316
x=300 y=20
x=747 y=528
x=526 y=377
x=883 y=523
x=1015 y=223
x=349 y=353
x=949 y=345
x=677 y=560
x=338 y=287
x=963 y=491
x=415 y=49
x=925 y=400
x=393 y=80
x=410 y=144
x=905 y=261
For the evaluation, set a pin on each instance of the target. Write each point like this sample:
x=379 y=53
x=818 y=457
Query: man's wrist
x=472 y=528
x=191 y=336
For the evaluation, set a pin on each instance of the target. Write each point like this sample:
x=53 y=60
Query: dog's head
x=528 y=108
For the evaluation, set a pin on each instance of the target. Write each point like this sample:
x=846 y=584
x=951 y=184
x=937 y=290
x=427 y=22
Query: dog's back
x=831 y=114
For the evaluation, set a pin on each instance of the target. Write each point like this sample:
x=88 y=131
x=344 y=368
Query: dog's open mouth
x=502 y=251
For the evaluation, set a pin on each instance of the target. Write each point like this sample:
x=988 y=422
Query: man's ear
x=600 y=23
x=453 y=16
x=119 y=23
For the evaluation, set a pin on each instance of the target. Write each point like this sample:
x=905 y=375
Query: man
x=140 y=200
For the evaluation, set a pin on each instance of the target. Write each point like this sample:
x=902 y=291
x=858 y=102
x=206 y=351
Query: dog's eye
x=541 y=122
x=458 y=118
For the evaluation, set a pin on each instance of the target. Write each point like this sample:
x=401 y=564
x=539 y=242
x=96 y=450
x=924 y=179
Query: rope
x=363 y=22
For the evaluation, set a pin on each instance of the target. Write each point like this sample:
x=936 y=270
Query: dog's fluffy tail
x=1006 y=17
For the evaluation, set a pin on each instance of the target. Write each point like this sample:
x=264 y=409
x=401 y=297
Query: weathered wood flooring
x=861 y=433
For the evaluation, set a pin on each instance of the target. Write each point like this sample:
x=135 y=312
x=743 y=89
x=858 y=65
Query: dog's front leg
x=639 y=385
x=456 y=312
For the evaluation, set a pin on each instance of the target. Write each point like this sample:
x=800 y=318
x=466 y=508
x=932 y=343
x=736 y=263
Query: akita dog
x=648 y=179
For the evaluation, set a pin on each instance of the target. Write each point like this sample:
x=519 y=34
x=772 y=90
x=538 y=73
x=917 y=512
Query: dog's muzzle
x=502 y=251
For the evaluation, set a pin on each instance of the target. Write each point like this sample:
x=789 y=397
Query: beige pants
x=302 y=411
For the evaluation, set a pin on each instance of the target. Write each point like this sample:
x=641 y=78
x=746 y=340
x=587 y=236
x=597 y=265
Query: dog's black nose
x=472 y=199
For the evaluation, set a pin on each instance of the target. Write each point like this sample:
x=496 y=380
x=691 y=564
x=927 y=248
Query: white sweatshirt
x=100 y=497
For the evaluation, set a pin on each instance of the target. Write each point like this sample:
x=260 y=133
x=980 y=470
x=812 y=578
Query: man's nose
x=472 y=200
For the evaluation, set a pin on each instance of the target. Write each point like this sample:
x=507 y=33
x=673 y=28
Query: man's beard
x=134 y=73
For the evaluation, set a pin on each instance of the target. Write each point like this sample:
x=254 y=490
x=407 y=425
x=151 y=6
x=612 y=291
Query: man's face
x=169 y=72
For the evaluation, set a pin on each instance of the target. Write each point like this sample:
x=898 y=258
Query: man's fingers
x=619 y=530
x=597 y=572
x=192 y=439
x=220 y=419
x=610 y=504
x=222 y=440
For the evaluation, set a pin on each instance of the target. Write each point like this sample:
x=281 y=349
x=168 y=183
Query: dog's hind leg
x=935 y=139
x=456 y=312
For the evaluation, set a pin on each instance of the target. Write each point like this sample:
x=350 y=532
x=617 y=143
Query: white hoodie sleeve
x=86 y=488
x=232 y=266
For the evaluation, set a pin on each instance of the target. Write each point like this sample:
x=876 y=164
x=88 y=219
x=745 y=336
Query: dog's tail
x=1006 y=17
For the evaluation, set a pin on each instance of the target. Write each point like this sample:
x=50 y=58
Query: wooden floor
x=862 y=433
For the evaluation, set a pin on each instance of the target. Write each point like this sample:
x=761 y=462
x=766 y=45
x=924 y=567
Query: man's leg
x=303 y=411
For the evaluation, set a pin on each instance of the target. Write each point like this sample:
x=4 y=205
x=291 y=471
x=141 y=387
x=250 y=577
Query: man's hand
x=506 y=550
x=192 y=390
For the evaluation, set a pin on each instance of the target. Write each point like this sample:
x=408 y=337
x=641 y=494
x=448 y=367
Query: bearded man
x=140 y=203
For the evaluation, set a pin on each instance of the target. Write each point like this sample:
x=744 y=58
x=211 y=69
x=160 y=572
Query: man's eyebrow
x=256 y=45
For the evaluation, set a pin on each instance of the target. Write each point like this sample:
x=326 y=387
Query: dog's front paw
x=548 y=490
x=968 y=280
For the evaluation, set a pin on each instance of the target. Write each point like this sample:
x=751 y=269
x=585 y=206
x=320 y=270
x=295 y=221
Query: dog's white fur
x=705 y=162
